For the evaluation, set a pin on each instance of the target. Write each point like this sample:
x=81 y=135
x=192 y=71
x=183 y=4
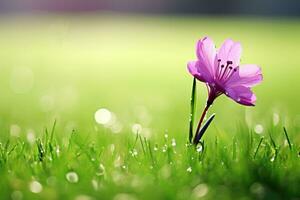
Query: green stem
x=192 y=113
x=200 y=122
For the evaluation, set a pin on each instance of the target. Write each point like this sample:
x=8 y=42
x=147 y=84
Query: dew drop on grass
x=133 y=152
x=189 y=169
x=155 y=147
x=199 y=148
x=72 y=177
x=35 y=187
x=272 y=159
x=188 y=145
x=103 y=116
x=166 y=136
x=258 y=129
x=57 y=151
x=173 y=142
x=101 y=170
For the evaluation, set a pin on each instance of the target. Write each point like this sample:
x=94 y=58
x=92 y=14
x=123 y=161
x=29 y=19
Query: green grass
x=64 y=68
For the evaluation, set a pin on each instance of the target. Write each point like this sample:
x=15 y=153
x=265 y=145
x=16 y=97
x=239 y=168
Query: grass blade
x=151 y=154
x=273 y=142
x=41 y=151
x=192 y=113
x=204 y=128
x=274 y=146
x=52 y=131
x=136 y=139
x=234 y=149
x=142 y=144
x=287 y=137
x=258 y=147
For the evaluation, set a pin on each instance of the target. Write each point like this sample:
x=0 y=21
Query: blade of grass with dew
x=202 y=152
x=41 y=151
x=274 y=146
x=192 y=113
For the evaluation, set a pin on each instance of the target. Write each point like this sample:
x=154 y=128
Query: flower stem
x=200 y=122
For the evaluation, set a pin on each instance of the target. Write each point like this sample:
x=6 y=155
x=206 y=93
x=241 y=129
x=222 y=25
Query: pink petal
x=230 y=51
x=246 y=75
x=198 y=71
x=206 y=53
x=242 y=95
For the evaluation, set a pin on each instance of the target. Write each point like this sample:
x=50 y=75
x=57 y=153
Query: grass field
x=56 y=71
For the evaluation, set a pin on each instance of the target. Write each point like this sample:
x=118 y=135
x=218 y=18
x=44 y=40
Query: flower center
x=225 y=72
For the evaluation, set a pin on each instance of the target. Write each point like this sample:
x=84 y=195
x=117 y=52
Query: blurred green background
x=107 y=69
x=66 y=67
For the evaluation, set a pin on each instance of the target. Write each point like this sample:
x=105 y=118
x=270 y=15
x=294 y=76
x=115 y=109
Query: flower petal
x=242 y=95
x=246 y=75
x=206 y=53
x=198 y=71
x=230 y=51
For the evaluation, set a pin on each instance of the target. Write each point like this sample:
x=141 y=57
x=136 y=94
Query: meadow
x=57 y=71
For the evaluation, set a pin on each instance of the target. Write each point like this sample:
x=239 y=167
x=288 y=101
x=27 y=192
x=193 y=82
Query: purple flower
x=222 y=72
